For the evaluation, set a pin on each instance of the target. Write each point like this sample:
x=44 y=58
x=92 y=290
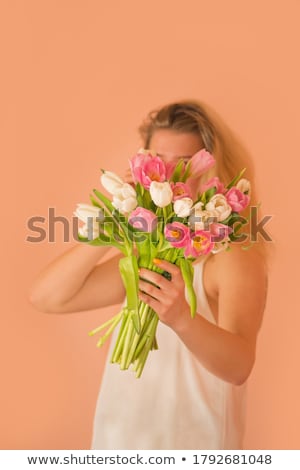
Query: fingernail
x=156 y=261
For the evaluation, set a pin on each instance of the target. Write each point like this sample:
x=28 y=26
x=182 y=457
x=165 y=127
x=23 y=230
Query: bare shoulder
x=241 y=285
x=240 y=265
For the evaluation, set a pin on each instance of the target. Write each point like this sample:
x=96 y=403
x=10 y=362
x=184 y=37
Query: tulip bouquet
x=156 y=216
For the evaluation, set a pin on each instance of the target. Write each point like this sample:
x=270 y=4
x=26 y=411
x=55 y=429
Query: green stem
x=104 y=325
x=143 y=311
x=109 y=331
x=147 y=333
x=143 y=357
x=128 y=337
x=133 y=347
x=165 y=213
x=155 y=345
x=120 y=339
x=129 y=272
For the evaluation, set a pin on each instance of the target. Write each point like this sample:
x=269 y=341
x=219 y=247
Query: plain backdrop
x=77 y=77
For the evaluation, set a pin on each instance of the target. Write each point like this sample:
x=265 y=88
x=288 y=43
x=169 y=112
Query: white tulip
x=89 y=231
x=199 y=205
x=200 y=219
x=84 y=212
x=182 y=207
x=124 y=198
x=125 y=191
x=244 y=186
x=126 y=205
x=91 y=216
x=111 y=182
x=161 y=193
x=219 y=203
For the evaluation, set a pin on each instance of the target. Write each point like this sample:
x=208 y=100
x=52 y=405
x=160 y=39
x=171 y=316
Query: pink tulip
x=170 y=167
x=219 y=232
x=180 y=190
x=143 y=219
x=213 y=182
x=177 y=234
x=200 y=163
x=145 y=168
x=236 y=199
x=200 y=244
x=137 y=162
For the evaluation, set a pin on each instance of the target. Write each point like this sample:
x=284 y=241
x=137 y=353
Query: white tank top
x=176 y=404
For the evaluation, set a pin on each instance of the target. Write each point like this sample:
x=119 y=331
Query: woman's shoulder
x=239 y=264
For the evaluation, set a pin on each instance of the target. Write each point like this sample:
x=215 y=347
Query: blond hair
x=191 y=116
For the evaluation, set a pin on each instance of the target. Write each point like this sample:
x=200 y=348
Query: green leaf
x=231 y=218
x=112 y=211
x=237 y=227
x=187 y=272
x=95 y=203
x=203 y=198
x=161 y=240
x=177 y=171
x=153 y=249
x=186 y=173
x=103 y=240
x=236 y=179
x=107 y=203
x=82 y=239
x=96 y=241
x=234 y=237
x=147 y=201
x=129 y=272
x=139 y=189
x=110 y=227
x=209 y=193
x=143 y=247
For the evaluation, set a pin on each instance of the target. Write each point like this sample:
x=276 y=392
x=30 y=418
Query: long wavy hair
x=191 y=116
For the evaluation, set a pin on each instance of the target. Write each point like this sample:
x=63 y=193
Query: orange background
x=77 y=78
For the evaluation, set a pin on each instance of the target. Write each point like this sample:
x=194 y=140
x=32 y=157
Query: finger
x=167 y=266
x=154 y=277
x=153 y=303
x=152 y=291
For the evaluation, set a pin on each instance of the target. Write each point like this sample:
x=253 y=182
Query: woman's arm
x=227 y=349
x=73 y=282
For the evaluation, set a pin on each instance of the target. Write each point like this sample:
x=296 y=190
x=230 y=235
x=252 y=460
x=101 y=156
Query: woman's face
x=172 y=145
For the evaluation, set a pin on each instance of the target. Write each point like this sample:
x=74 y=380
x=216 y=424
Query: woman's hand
x=166 y=297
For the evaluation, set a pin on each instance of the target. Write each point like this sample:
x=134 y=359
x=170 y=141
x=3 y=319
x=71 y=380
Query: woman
x=192 y=391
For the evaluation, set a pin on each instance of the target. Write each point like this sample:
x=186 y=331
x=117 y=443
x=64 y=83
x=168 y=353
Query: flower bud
x=182 y=207
x=111 y=182
x=161 y=193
